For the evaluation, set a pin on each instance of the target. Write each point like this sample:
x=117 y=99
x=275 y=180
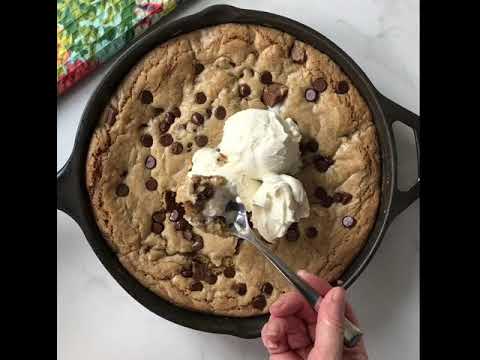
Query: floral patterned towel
x=90 y=32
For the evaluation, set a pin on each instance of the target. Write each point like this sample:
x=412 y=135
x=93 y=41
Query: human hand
x=296 y=332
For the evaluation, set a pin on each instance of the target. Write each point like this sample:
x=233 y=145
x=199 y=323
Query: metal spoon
x=237 y=220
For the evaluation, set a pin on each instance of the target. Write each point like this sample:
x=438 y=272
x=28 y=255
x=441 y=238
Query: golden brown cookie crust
x=231 y=55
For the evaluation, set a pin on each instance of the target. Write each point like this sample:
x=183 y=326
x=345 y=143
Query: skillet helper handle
x=67 y=192
x=394 y=112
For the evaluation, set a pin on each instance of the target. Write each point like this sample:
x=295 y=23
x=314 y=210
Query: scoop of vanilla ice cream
x=278 y=203
x=260 y=142
x=257 y=149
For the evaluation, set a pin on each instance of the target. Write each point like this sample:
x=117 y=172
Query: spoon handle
x=352 y=333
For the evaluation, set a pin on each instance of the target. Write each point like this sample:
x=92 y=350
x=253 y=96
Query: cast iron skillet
x=73 y=199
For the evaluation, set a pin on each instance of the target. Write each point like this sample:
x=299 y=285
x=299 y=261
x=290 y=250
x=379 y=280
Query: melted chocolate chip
x=342 y=87
x=199 y=271
x=349 y=222
x=188 y=235
x=311 y=232
x=157 y=111
x=170 y=200
x=319 y=84
x=211 y=278
x=311 y=95
x=259 y=302
x=176 y=214
x=176 y=112
x=244 y=90
x=342 y=197
x=122 y=190
x=197 y=243
x=240 y=288
x=274 y=94
x=266 y=77
x=322 y=163
x=200 y=98
x=163 y=127
x=324 y=199
x=157 y=228
x=267 y=288
x=298 y=54
x=150 y=162
x=229 y=272
x=186 y=273
x=312 y=146
x=166 y=140
x=201 y=140
x=176 y=148
x=199 y=68
x=111 y=115
x=293 y=233
x=159 y=216
x=169 y=117
x=146 y=97
x=146 y=140
x=196 y=286
x=181 y=225
x=151 y=184
x=220 y=113
x=209 y=112
x=197 y=118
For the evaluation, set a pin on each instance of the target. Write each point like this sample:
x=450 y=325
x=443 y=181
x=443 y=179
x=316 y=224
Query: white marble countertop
x=99 y=320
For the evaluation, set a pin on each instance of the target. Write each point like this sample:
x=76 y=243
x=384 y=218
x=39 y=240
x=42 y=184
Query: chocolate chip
x=170 y=202
x=146 y=140
x=292 y=233
x=229 y=272
x=209 y=112
x=244 y=90
x=298 y=54
x=123 y=174
x=311 y=95
x=181 y=225
x=196 y=286
x=220 y=113
x=211 y=278
x=197 y=118
x=166 y=140
x=158 y=216
x=111 y=115
x=176 y=148
x=199 y=271
x=200 y=98
x=208 y=192
x=267 y=288
x=157 y=228
x=259 y=302
x=151 y=184
x=186 y=273
x=240 y=288
x=188 y=235
x=349 y=222
x=322 y=163
x=169 y=117
x=201 y=140
x=238 y=245
x=323 y=198
x=146 y=97
x=150 y=162
x=122 y=190
x=176 y=214
x=197 y=243
x=199 y=68
x=312 y=146
x=266 y=77
x=163 y=126
x=342 y=87
x=342 y=197
x=274 y=94
x=311 y=232
x=319 y=84
x=176 y=112
x=157 y=111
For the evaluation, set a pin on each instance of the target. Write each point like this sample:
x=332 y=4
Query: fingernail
x=302 y=272
x=270 y=343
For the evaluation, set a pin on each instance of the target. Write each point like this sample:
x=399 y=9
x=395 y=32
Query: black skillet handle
x=68 y=192
x=394 y=112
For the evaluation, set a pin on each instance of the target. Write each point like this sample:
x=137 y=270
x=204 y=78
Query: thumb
x=329 y=330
